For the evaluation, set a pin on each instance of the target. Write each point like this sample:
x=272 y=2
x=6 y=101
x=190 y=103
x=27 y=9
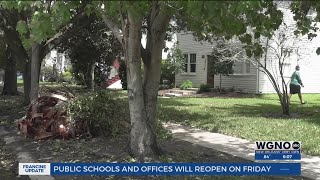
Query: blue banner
x=278 y=169
x=272 y=156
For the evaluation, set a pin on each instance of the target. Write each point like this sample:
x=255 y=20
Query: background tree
x=222 y=59
x=10 y=67
x=42 y=25
x=10 y=76
x=279 y=50
x=13 y=47
x=175 y=63
x=91 y=52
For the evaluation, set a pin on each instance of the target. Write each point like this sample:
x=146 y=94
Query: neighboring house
x=246 y=76
x=113 y=81
x=60 y=60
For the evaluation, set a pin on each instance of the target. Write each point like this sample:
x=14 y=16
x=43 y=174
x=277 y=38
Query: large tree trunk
x=152 y=71
x=158 y=23
x=35 y=65
x=27 y=81
x=142 y=96
x=141 y=141
x=10 y=77
x=90 y=76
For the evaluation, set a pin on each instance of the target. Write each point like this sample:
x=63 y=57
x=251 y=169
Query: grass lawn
x=20 y=82
x=257 y=118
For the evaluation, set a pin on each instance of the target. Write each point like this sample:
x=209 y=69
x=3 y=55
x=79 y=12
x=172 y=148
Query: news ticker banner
x=216 y=169
x=277 y=150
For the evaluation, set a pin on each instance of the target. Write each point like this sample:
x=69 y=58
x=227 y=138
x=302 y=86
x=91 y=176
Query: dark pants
x=294 y=89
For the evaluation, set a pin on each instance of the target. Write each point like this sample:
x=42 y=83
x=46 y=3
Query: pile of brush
x=47 y=117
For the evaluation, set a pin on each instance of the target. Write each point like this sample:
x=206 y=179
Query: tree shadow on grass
x=274 y=111
x=208 y=121
x=216 y=118
x=175 y=102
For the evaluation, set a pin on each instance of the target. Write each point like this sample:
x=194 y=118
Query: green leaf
x=249 y=52
x=22 y=27
x=257 y=35
x=318 y=51
x=88 y=9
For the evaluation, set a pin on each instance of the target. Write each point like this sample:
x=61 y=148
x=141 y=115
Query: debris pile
x=47 y=117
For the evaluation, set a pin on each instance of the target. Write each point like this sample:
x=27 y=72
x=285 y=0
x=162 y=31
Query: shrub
x=52 y=79
x=164 y=86
x=67 y=76
x=107 y=114
x=186 y=84
x=204 y=88
x=167 y=73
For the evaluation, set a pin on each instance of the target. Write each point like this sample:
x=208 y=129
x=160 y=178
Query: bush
x=167 y=73
x=107 y=114
x=52 y=79
x=164 y=86
x=186 y=84
x=204 y=88
x=67 y=76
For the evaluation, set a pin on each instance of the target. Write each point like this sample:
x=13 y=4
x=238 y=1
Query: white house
x=59 y=59
x=247 y=77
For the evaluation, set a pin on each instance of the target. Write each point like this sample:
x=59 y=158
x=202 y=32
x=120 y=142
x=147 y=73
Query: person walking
x=295 y=85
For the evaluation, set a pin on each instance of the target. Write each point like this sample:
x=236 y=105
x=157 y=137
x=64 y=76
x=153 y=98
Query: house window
x=242 y=67
x=247 y=67
x=193 y=62
x=185 y=62
x=190 y=63
x=287 y=70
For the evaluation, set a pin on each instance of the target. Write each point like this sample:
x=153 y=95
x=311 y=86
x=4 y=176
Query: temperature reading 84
x=287 y=156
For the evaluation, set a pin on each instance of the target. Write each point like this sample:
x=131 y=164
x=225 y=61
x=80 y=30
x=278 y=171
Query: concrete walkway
x=23 y=156
x=236 y=146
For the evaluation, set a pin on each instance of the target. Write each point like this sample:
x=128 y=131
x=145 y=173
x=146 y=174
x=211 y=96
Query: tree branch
x=67 y=32
x=12 y=37
x=113 y=27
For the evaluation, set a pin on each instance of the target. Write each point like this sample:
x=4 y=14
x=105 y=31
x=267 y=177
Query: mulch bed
x=213 y=94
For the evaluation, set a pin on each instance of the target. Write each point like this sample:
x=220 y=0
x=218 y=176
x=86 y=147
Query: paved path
x=235 y=146
x=23 y=156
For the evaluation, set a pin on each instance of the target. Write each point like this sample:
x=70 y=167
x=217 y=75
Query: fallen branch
x=47 y=117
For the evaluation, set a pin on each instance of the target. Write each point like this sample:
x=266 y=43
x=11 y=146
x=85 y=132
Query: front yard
x=256 y=118
x=97 y=149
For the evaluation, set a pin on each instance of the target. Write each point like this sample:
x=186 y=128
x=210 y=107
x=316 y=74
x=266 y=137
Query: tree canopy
x=92 y=45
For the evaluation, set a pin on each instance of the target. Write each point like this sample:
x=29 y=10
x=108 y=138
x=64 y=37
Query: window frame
x=188 y=68
x=243 y=67
x=193 y=63
x=287 y=70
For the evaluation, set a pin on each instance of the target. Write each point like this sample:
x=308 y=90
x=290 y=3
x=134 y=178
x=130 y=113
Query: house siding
x=246 y=83
x=309 y=61
x=256 y=81
x=188 y=44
